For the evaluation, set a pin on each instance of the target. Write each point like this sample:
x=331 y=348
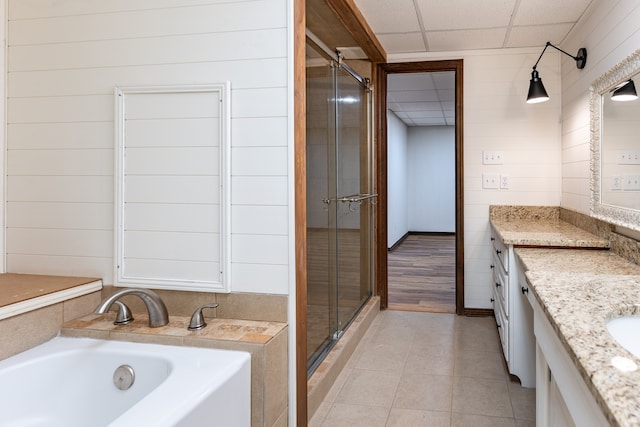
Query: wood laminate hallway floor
x=427 y=369
x=422 y=274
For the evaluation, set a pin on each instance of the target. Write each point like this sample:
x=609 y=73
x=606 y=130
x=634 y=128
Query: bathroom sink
x=626 y=331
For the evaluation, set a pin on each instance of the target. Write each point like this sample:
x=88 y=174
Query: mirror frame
x=624 y=70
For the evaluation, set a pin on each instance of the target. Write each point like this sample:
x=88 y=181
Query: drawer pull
x=493 y=266
x=498 y=251
x=524 y=290
x=498 y=284
x=492 y=300
x=499 y=325
x=493 y=239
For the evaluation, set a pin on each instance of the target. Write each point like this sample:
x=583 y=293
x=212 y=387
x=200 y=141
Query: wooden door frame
x=380 y=78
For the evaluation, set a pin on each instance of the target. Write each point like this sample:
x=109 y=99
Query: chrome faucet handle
x=197 y=319
x=124 y=315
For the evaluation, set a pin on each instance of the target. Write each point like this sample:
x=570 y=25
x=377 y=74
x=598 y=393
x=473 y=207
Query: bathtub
x=72 y=382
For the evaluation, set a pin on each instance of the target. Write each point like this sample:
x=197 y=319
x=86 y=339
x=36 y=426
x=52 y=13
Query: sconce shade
x=625 y=92
x=537 y=93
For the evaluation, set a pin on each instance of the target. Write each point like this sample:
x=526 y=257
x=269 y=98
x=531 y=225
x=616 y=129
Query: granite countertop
x=578 y=291
x=545 y=232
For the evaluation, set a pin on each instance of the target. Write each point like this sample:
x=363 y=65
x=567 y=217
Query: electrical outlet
x=504 y=182
x=492 y=157
x=490 y=180
x=616 y=182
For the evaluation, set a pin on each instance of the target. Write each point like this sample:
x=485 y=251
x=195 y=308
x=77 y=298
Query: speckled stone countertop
x=578 y=291
x=545 y=232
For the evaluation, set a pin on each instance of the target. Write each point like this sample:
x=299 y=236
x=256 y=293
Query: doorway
x=383 y=71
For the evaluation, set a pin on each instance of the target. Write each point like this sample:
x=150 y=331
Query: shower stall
x=340 y=199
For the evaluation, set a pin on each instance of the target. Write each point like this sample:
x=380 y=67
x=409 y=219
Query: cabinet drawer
x=500 y=250
x=501 y=284
x=502 y=322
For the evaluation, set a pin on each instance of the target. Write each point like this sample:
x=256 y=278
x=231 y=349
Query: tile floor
x=427 y=369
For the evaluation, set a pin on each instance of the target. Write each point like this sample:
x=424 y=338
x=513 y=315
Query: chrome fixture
x=537 y=93
x=158 y=315
x=625 y=91
x=124 y=315
x=197 y=319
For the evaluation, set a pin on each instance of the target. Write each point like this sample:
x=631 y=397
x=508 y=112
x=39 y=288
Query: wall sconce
x=625 y=91
x=537 y=93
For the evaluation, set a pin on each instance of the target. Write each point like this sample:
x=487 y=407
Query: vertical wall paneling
x=172 y=187
x=610 y=32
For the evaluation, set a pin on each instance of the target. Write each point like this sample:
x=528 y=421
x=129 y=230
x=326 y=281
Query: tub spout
x=158 y=315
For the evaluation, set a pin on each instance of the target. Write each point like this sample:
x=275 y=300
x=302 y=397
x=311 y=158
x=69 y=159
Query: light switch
x=492 y=157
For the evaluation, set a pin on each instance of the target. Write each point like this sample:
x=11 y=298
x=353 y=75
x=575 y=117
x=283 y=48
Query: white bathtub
x=70 y=382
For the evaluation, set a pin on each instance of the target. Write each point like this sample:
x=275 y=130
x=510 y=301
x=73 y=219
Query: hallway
x=427 y=369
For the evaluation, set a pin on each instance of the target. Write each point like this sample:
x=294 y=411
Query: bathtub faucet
x=158 y=315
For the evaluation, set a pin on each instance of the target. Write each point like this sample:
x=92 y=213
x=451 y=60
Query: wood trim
x=399 y=242
x=353 y=21
x=380 y=180
x=300 y=205
x=380 y=78
x=478 y=312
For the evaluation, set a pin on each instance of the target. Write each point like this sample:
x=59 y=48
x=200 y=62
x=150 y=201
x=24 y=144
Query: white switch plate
x=490 y=180
x=631 y=182
x=492 y=157
x=504 y=182
x=629 y=157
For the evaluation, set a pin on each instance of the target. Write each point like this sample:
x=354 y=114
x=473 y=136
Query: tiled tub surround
x=34 y=307
x=266 y=341
x=38 y=306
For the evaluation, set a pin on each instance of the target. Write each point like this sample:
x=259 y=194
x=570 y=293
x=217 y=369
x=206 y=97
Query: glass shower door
x=338 y=202
x=353 y=209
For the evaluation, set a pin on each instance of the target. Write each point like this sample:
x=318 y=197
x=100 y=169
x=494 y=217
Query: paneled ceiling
x=420 y=26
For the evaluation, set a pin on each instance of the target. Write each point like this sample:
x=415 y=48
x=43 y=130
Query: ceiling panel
x=541 y=12
x=466 y=39
x=465 y=14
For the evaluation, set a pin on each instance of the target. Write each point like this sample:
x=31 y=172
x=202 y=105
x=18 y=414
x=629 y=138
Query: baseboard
x=432 y=233
x=399 y=242
x=477 y=312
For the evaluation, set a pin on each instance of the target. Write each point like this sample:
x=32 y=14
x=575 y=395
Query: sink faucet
x=158 y=315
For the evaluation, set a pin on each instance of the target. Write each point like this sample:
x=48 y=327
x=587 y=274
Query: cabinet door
x=559 y=415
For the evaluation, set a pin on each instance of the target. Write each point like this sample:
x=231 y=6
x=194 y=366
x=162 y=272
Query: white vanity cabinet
x=562 y=397
x=514 y=317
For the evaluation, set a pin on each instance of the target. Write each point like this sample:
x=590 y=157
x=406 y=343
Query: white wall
x=397 y=187
x=64 y=59
x=610 y=32
x=432 y=179
x=496 y=117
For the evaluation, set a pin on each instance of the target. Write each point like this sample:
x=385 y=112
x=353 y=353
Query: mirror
x=615 y=147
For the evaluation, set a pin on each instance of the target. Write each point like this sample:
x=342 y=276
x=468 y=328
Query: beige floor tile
x=480 y=364
x=411 y=417
x=429 y=360
x=384 y=357
x=373 y=388
x=424 y=392
x=523 y=401
x=427 y=369
x=343 y=415
x=480 y=396
x=320 y=415
x=434 y=339
x=468 y=420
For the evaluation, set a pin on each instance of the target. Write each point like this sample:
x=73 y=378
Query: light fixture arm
x=580 y=58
